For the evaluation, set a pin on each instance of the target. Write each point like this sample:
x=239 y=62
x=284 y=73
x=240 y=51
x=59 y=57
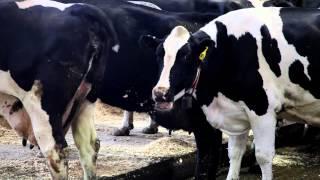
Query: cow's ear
x=205 y=48
x=148 y=41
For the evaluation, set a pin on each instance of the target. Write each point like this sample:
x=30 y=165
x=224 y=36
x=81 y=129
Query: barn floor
x=139 y=153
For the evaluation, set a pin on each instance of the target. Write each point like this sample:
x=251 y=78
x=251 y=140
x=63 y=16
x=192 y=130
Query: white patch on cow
x=177 y=38
x=147 y=4
x=227 y=115
x=127 y=119
x=116 y=48
x=45 y=3
x=257 y=3
x=40 y=120
x=85 y=137
x=263 y=128
x=9 y=86
x=236 y=149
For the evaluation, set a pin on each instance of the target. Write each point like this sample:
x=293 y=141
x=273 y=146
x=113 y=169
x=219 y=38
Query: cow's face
x=179 y=57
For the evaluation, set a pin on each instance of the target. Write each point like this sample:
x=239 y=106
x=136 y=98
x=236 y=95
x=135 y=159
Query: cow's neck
x=211 y=80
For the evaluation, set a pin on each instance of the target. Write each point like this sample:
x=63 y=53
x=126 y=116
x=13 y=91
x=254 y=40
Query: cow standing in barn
x=139 y=73
x=203 y=6
x=139 y=98
x=196 y=123
x=51 y=56
x=219 y=7
x=245 y=74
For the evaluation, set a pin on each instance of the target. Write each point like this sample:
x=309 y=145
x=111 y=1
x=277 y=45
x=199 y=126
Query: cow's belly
x=227 y=115
x=308 y=113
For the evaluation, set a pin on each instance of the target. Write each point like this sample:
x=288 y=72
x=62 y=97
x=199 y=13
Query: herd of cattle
x=183 y=61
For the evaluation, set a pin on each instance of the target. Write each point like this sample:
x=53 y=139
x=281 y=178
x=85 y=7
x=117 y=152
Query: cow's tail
x=103 y=39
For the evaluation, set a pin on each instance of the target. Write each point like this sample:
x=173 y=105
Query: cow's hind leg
x=236 y=150
x=264 y=138
x=127 y=124
x=85 y=137
x=43 y=131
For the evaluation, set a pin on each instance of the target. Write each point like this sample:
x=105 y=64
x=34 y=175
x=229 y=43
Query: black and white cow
x=216 y=6
x=245 y=74
x=219 y=7
x=51 y=56
x=131 y=74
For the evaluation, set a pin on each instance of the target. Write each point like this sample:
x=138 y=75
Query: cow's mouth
x=163 y=106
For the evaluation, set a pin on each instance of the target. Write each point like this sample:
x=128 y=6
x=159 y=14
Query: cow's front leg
x=152 y=128
x=51 y=147
x=209 y=141
x=85 y=137
x=127 y=124
x=236 y=150
x=264 y=139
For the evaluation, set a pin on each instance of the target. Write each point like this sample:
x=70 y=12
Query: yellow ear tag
x=203 y=54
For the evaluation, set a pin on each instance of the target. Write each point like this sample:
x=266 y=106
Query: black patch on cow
x=297 y=75
x=310 y=3
x=232 y=69
x=248 y=3
x=16 y=106
x=278 y=3
x=270 y=50
x=301 y=29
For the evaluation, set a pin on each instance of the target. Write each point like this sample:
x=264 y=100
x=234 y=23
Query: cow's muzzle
x=162 y=99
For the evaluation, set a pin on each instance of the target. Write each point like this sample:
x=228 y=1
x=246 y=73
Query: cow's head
x=179 y=57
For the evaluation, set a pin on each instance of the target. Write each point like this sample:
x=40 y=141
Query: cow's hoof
x=125 y=131
x=131 y=126
x=150 y=130
x=24 y=142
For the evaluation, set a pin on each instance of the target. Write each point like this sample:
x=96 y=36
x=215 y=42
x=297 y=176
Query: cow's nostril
x=159 y=94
